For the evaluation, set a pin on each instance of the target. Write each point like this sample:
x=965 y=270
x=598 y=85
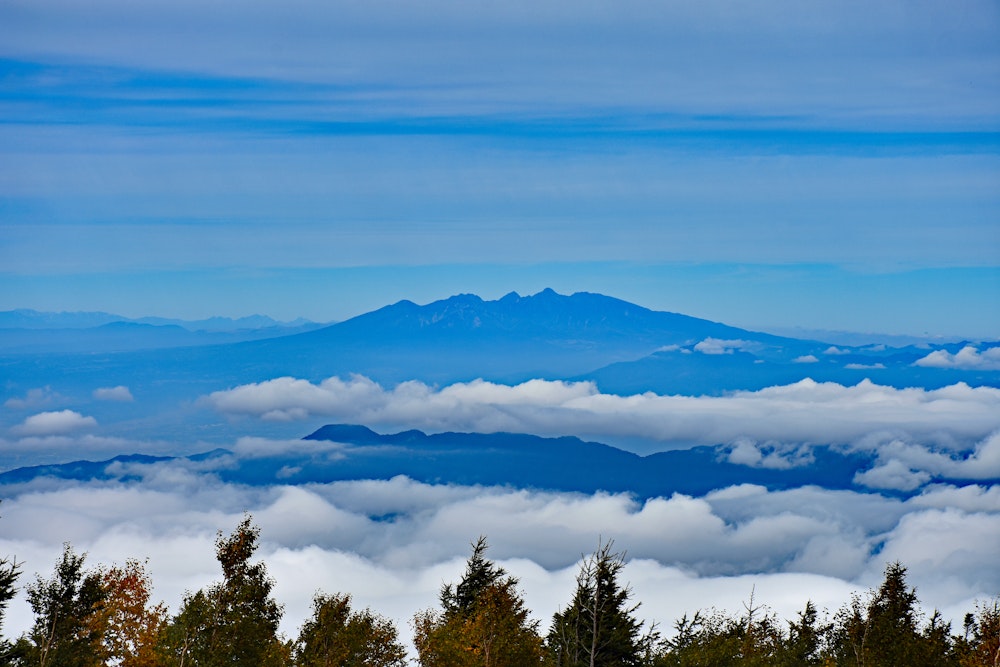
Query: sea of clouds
x=393 y=543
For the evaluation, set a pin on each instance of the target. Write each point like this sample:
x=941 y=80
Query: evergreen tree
x=336 y=636
x=482 y=623
x=480 y=574
x=10 y=569
x=717 y=639
x=67 y=608
x=885 y=632
x=599 y=628
x=807 y=639
x=234 y=622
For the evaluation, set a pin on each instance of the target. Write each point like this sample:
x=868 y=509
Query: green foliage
x=599 y=628
x=480 y=574
x=233 y=622
x=753 y=639
x=885 y=632
x=67 y=607
x=808 y=639
x=336 y=635
x=10 y=570
x=483 y=621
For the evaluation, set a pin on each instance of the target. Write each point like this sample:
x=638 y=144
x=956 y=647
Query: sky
x=769 y=165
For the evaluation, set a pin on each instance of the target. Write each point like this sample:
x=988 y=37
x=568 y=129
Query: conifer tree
x=482 y=623
x=885 y=632
x=599 y=628
x=10 y=569
x=807 y=639
x=234 y=622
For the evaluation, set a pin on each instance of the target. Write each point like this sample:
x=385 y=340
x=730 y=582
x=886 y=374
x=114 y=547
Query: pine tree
x=886 y=632
x=807 y=639
x=482 y=623
x=599 y=628
x=10 y=570
x=234 y=622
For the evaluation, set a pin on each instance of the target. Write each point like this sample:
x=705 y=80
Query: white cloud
x=877 y=365
x=721 y=346
x=835 y=350
x=956 y=416
x=119 y=393
x=749 y=453
x=906 y=465
x=392 y=543
x=34 y=398
x=806 y=359
x=61 y=422
x=968 y=358
x=892 y=474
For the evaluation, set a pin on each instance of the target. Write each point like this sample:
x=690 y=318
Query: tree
x=234 y=622
x=336 y=636
x=482 y=623
x=599 y=628
x=980 y=646
x=10 y=570
x=130 y=626
x=717 y=639
x=67 y=608
x=807 y=639
x=885 y=632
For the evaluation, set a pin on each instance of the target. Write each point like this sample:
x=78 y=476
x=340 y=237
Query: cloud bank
x=392 y=543
x=968 y=358
x=806 y=412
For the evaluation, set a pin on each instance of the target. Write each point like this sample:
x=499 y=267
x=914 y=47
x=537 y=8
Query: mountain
x=341 y=452
x=461 y=338
x=623 y=347
x=34 y=332
x=686 y=370
x=511 y=339
x=25 y=318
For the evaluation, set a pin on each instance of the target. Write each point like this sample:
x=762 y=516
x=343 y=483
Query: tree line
x=104 y=616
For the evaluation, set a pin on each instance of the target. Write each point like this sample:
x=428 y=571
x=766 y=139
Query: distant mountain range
x=34 y=332
x=516 y=460
x=622 y=347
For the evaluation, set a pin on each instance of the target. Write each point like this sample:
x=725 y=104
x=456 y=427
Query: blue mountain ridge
x=565 y=464
x=547 y=335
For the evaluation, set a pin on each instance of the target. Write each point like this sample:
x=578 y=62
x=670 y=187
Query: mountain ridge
x=517 y=460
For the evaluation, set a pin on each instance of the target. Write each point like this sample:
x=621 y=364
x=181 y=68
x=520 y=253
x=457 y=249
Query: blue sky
x=768 y=165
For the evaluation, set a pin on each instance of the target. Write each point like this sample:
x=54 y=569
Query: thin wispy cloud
x=118 y=393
